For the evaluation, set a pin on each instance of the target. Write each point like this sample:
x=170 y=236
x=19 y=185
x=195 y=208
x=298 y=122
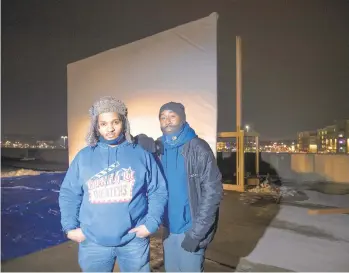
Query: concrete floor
x=301 y=242
x=263 y=237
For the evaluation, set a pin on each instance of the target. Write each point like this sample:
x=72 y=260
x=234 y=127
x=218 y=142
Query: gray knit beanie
x=105 y=105
x=176 y=107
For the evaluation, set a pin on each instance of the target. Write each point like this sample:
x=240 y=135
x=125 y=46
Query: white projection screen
x=178 y=65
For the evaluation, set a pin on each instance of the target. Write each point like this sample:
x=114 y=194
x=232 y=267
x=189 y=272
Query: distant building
x=220 y=146
x=228 y=146
x=307 y=142
x=321 y=140
x=331 y=139
x=327 y=140
x=342 y=134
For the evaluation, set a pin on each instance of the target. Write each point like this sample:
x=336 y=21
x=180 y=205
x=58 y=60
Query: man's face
x=169 y=121
x=109 y=125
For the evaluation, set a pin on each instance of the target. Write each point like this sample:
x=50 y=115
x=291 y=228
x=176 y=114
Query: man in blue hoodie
x=113 y=195
x=195 y=191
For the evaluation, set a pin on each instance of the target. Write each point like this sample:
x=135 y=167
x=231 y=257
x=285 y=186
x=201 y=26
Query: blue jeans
x=176 y=259
x=132 y=257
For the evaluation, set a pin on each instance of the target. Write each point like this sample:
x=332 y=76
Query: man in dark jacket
x=194 y=187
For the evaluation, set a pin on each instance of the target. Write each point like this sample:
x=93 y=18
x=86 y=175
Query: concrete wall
x=310 y=167
x=298 y=167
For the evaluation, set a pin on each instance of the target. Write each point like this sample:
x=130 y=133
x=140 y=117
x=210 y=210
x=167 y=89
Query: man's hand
x=189 y=244
x=147 y=143
x=141 y=231
x=76 y=235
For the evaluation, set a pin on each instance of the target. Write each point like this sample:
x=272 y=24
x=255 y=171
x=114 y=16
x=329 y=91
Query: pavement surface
x=259 y=237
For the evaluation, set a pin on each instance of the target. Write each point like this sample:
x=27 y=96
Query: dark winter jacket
x=205 y=186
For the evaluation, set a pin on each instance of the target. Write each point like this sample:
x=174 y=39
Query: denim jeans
x=132 y=257
x=177 y=259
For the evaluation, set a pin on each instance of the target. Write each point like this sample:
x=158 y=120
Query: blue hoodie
x=109 y=190
x=178 y=215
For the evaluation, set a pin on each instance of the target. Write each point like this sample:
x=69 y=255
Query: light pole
x=64 y=138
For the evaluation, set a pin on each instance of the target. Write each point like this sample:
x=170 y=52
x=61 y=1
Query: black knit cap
x=176 y=107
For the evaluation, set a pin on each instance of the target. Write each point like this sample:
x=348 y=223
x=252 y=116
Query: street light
x=64 y=138
x=247 y=128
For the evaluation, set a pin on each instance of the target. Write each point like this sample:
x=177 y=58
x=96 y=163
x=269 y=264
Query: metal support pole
x=242 y=160
x=240 y=170
x=257 y=155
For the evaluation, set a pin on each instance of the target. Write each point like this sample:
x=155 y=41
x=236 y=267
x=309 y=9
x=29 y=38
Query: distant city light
x=250 y=146
x=64 y=138
x=33 y=144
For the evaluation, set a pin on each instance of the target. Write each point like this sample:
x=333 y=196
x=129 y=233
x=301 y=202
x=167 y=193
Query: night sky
x=295 y=62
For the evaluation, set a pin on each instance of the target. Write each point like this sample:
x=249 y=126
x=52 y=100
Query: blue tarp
x=30 y=217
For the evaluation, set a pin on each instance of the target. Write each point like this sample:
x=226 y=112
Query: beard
x=171 y=129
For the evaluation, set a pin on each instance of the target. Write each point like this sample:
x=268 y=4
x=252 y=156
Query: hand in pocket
x=141 y=231
x=76 y=235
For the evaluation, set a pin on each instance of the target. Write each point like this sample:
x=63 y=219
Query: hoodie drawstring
x=177 y=158
x=108 y=164
x=166 y=158
x=116 y=159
